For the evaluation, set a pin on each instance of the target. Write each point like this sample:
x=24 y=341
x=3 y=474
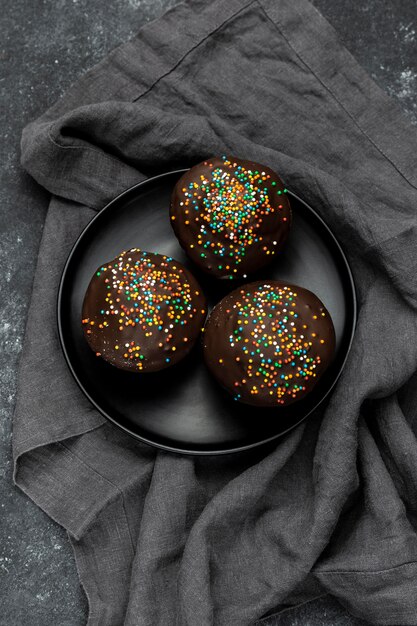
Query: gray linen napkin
x=162 y=539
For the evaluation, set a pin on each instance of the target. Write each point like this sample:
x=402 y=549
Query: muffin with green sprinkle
x=231 y=216
x=142 y=311
x=269 y=343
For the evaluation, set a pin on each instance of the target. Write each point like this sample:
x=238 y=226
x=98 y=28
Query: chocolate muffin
x=231 y=216
x=268 y=343
x=142 y=311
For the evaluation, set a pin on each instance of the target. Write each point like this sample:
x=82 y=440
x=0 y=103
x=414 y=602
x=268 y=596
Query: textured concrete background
x=45 y=46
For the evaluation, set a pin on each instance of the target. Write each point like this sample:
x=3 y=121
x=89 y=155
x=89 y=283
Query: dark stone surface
x=47 y=45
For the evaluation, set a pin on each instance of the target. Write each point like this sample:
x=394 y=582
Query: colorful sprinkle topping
x=228 y=207
x=275 y=348
x=146 y=291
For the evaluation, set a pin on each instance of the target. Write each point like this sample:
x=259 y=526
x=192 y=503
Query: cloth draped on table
x=165 y=539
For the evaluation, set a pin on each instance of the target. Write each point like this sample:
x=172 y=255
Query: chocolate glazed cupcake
x=231 y=216
x=142 y=312
x=268 y=343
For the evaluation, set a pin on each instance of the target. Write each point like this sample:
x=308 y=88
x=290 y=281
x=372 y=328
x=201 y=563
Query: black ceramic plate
x=181 y=408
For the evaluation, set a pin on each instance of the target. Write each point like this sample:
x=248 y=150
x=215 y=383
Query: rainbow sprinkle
x=228 y=207
x=275 y=352
x=150 y=292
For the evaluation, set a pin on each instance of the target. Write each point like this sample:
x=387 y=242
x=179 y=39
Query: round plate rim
x=175 y=449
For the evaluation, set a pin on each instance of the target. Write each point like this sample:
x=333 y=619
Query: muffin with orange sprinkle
x=269 y=343
x=231 y=216
x=142 y=311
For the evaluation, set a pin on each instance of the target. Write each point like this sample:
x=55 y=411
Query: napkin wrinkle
x=385 y=510
x=398 y=446
x=323 y=572
x=194 y=47
x=311 y=38
x=267 y=619
x=225 y=525
x=327 y=86
x=114 y=494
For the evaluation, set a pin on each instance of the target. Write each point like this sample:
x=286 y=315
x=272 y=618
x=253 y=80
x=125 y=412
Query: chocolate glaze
x=230 y=216
x=142 y=311
x=268 y=343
